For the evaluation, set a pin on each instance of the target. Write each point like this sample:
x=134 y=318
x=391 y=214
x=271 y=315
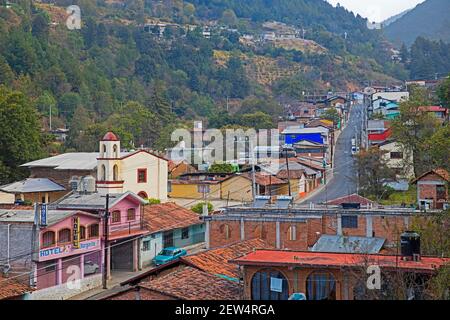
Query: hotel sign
x=68 y=250
x=76 y=232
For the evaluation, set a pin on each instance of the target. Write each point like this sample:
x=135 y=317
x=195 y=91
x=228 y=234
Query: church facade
x=141 y=172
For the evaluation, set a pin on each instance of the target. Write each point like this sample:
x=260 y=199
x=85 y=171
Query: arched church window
x=115 y=172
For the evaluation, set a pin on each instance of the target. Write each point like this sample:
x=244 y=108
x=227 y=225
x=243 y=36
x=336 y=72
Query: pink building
x=125 y=224
x=68 y=248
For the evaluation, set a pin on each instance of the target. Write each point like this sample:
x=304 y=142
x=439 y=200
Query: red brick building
x=276 y=275
x=432 y=189
x=298 y=228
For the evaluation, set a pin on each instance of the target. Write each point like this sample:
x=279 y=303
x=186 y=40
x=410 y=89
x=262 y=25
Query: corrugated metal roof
x=93 y=201
x=67 y=161
x=32 y=185
x=27 y=216
x=344 y=244
x=297 y=130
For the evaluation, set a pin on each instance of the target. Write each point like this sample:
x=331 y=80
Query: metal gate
x=122 y=256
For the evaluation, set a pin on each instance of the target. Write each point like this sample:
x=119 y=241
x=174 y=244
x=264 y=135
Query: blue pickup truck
x=168 y=254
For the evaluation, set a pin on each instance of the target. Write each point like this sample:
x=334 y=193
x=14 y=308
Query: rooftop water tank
x=410 y=245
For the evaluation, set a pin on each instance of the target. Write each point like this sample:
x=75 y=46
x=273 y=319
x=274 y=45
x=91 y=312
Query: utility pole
x=106 y=250
x=288 y=172
x=50 y=118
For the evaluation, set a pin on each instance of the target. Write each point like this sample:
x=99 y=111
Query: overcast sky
x=377 y=10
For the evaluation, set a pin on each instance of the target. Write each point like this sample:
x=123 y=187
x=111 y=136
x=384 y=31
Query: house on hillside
x=397 y=158
x=439 y=112
x=177 y=168
x=293 y=135
x=378 y=131
x=432 y=189
x=239 y=187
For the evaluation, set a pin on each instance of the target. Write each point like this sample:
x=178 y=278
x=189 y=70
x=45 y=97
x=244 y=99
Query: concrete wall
x=21 y=245
x=63 y=292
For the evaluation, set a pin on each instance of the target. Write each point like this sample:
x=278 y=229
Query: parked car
x=168 y=254
x=90 y=268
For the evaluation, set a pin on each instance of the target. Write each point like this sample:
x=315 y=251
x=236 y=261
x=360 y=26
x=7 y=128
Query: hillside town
x=222 y=150
x=273 y=223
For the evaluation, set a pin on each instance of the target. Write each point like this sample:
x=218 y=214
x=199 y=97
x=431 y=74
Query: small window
x=203 y=188
x=292 y=233
x=396 y=155
x=64 y=236
x=115 y=218
x=93 y=230
x=48 y=239
x=115 y=173
x=350 y=222
x=185 y=233
x=115 y=151
x=142 y=175
x=226 y=231
x=82 y=232
x=169 y=186
x=131 y=214
x=146 y=245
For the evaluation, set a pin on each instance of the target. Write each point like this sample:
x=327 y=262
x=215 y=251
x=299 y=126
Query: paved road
x=344 y=180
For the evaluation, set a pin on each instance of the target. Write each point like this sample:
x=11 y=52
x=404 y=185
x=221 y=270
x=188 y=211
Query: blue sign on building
x=43 y=214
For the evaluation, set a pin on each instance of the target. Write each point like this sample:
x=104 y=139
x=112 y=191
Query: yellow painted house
x=236 y=187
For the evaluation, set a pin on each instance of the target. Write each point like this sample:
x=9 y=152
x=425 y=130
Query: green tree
x=20 y=134
x=257 y=120
x=229 y=18
x=443 y=92
x=221 y=168
x=68 y=104
x=413 y=127
x=6 y=73
x=198 y=208
x=373 y=172
x=438 y=148
x=332 y=115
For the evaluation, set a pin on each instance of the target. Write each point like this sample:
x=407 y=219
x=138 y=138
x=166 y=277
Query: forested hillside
x=430 y=19
x=114 y=74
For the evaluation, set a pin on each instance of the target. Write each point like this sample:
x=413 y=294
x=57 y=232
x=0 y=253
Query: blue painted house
x=293 y=135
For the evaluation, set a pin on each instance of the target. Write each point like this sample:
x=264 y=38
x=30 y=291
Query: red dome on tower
x=109 y=136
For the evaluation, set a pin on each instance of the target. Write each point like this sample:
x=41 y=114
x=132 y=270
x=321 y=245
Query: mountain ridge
x=430 y=19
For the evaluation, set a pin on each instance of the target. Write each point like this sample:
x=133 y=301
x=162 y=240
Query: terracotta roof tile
x=11 y=288
x=293 y=174
x=322 y=259
x=444 y=174
x=215 y=261
x=353 y=198
x=167 y=216
x=264 y=179
x=188 y=283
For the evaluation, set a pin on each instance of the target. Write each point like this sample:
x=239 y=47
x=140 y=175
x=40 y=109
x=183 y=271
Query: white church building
x=141 y=172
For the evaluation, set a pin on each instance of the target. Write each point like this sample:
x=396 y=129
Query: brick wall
x=307 y=233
